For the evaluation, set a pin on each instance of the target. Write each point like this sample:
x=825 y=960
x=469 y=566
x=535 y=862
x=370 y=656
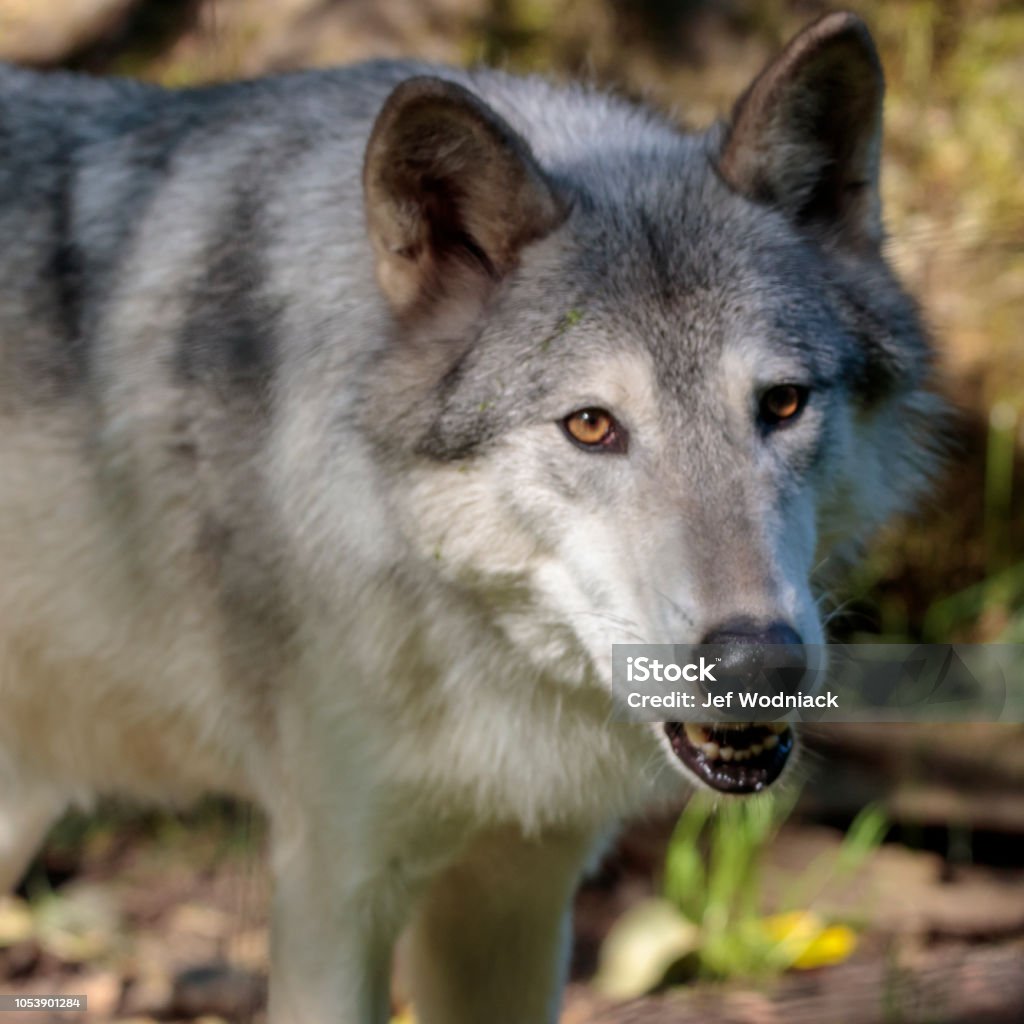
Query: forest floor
x=162 y=918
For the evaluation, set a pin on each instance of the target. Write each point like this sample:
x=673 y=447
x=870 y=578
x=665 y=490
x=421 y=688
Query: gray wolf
x=347 y=418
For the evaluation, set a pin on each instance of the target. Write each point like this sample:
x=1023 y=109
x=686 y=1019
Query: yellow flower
x=805 y=940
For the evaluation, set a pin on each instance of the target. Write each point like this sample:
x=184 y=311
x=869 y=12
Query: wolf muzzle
x=741 y=757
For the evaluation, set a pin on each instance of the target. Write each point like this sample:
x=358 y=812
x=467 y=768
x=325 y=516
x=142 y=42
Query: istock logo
x=643 y=669
x=838 y=683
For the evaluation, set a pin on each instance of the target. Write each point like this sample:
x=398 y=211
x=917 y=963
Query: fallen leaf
x=15 y=921
x=641 y=948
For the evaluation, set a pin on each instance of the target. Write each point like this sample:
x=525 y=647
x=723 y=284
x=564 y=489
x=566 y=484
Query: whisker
x=676 y=607
x=621 y=624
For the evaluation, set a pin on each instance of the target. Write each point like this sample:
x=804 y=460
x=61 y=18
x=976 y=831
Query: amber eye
x=782 y=402
x=594 y=429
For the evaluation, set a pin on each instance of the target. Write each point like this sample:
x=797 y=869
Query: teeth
x=696 y=734
x=700 y=736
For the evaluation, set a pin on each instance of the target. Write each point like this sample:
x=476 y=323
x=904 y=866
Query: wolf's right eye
x=594 y=429
x=782 y=402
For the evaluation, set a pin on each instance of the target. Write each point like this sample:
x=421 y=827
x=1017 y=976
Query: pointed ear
x=452 y=194
x=806 y=136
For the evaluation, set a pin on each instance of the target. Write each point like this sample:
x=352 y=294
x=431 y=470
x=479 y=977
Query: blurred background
x=891 y=886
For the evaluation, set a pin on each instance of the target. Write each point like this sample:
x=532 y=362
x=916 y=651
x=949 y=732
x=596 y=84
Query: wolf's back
x=49 y=123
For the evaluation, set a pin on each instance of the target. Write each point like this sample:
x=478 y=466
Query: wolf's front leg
x=349 y=863
x=332 y=935
x=26 y=813
x=490 y=941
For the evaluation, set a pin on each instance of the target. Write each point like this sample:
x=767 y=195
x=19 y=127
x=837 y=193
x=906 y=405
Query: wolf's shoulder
x=67 y=93
x=18 y=82
x=48 y=114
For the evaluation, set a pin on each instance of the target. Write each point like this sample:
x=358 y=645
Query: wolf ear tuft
x=806 y=135
x=452 y=194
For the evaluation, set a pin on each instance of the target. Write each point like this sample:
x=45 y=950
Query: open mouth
x=739 y=758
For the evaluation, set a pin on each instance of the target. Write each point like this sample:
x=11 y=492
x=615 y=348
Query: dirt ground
x=162 y=918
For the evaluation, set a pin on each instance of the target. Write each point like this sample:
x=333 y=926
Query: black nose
x=747 y=647
x=745 y=631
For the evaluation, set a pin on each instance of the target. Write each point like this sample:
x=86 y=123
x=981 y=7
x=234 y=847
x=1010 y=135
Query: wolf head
x=645 y=383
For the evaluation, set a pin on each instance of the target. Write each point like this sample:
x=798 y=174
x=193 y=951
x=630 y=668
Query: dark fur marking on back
x=66 y=268
x=228 y=340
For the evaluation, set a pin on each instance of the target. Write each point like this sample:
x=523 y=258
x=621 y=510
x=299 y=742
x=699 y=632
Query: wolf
x=348 y=418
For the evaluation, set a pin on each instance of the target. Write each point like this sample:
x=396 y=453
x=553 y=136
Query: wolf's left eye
x=594 y=429
x=782 y=402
